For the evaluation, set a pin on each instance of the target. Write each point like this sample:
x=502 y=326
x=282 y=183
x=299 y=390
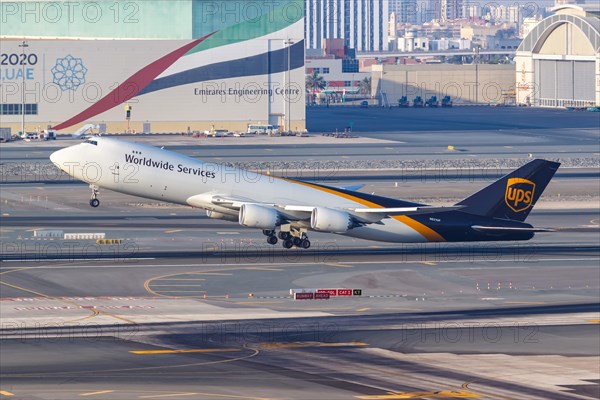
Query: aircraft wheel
x=305 y=244
x=297 y=241
x=267 y=232
x=94 y=203
x=284 y=235
x=288 y=244
x=272 y=240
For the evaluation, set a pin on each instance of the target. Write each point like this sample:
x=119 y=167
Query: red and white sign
x=332 y=292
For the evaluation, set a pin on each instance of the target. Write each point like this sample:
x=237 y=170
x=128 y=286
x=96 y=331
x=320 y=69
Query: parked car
x=364 y=104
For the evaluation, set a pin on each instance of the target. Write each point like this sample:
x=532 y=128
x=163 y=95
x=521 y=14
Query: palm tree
x=365 y=85
x=314 y=82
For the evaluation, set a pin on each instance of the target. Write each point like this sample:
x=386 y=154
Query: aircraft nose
x=59 y=157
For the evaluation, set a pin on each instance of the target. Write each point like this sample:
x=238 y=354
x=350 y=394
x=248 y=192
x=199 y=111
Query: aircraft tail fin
x=514 y=195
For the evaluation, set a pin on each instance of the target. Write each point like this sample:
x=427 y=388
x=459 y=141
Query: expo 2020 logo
x=69 y=73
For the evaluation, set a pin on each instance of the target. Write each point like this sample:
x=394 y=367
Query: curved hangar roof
x=585 y=17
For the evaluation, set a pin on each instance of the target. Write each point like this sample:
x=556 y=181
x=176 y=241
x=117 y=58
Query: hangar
x=159 y=66
x=558 y=62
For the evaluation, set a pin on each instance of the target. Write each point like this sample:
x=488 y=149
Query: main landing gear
x=94 y=202
x=291 y=238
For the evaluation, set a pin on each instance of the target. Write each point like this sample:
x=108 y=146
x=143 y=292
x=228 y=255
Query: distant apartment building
x=472 y=32
x=451 y=9
x=406 y=11
x=449 y=44
x=363 y=24
x=411 y=42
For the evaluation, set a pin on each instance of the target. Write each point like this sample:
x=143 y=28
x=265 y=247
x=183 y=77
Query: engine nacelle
x=254 y=216
x=218 y=215
x=330 y=220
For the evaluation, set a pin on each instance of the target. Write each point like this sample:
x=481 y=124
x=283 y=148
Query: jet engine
x=330 y=220
x=254 y=216
x=218 y=215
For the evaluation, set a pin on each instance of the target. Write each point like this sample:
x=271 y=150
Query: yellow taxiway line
x=181 y=351
x=96 y=393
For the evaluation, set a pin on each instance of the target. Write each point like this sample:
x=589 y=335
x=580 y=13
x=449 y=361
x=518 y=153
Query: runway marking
x=156 y=396
x=243 y=266
x=174 y=230
x=228 y=396
x=295 y=345
x=338 y=265
x=428 y=263
x=154 y=289
x=95 y=393
x=227 y=233
x=82 y=259
x=212 y=273
x=363 y=309
x=181 y=279
x=264 y=269
x=6 y=393
x=27 y=290
x=442 y=394
x=525 y=302
x=594 y=321
x=190 y=285
x=174 y=351
x=254 y=353
x=94 y=312
x=182 y=291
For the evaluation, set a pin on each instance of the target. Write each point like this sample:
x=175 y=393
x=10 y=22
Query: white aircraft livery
x=288 y=209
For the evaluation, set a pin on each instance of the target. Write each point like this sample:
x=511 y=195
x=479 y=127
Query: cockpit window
x=92 y=141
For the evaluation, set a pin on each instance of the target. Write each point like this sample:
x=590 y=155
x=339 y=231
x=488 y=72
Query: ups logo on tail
x=519 y=194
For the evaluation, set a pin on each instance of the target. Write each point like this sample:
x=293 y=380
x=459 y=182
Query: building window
x=349 y=65
x=325 y=70
x=347 y=83
x=17 y=109
x=317 y=70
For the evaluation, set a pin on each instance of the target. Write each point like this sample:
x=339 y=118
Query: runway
x=432 y=322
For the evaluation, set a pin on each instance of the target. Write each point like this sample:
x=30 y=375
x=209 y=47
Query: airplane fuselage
x=158 y=174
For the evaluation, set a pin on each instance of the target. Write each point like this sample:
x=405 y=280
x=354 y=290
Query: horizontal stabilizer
x=353 y=188
x=407 y=210
x=509 y=229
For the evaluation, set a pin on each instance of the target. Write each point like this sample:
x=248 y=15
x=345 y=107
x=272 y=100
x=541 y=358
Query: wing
x=292 y=212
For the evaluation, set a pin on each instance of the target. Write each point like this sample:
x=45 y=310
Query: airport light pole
x=476 y=60
x=289 y=42
x=23 y=45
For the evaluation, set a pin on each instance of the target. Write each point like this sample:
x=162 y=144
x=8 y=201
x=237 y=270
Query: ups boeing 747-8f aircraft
x=295 y=207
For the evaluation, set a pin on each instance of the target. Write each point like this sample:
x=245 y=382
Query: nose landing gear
x=94 y=202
